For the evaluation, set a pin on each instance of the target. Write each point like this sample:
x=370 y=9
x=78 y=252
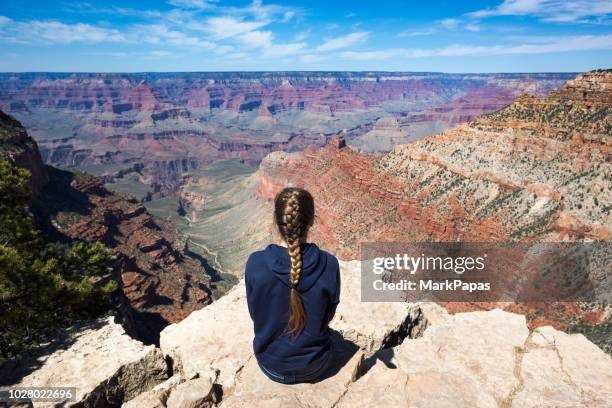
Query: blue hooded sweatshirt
x=268 y=289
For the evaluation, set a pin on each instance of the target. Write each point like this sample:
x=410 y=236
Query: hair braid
x=294 y=213
x=297 y=317
x=292 y=223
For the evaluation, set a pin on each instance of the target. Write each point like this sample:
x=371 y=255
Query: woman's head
x=294 y=215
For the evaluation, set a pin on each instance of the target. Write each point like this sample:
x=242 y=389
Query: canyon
x=536 y=171
x=152 y=129
x=160 y=281
x=399 y=157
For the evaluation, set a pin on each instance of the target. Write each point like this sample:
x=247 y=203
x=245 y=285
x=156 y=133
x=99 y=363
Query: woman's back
x=268 y=283
x=292 y=293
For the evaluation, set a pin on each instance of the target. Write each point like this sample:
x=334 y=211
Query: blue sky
x=200 y=35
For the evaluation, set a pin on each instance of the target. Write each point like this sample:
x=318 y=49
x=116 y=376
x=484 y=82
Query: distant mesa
x=338 y=142
x=387 y=123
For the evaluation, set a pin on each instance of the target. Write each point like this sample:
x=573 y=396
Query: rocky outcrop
x=98 y=359
x=391 y=354
x=190 y=202
x=488 y=359
x=226 y=349
x=22 y=151
x=397 y=355
x=160 y=283
x=171 y=114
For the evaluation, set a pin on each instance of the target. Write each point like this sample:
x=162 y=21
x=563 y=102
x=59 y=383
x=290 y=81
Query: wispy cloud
x=227 y=27
x=455 y=23
x=260 y=11
x=283 y=50
x=417 y=33
x=264 y=40
x=343 y=41
x=257 y=38
x=311 y=58
x=451 y=23
x=301 y=36
x=194 y=4
x=161 y=34
x=155 y=54
x=579 y=43
x=549 y=10
x=56 y=32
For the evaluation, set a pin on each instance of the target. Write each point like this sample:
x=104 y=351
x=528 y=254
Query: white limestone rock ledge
x=488 y=359
x=220 y=336
x=399 y=355
x=98 y=358
x=390 y=355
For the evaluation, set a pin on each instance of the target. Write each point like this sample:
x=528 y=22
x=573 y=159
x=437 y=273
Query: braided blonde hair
x=294 y=213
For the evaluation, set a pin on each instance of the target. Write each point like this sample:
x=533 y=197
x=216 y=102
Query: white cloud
x=269 y=11
x=343 y=41
x=160 y=53
x=4 y=20
x=301 y=36
x=563 y=44
x=262 y=12
x=418 y=33
x=373 y=55
x=257 y=38
x=454 y=23
x=282 y=50
x=310 y=58
x=160 y=34
x=117 y=54
x=287 y=16
x=55 y=32
x=264 y=40
x=549 y=10
x=195 y=4
x=228 y=27
x=450 y=23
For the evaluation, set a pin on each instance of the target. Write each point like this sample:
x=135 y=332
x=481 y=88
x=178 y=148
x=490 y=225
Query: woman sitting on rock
x=292 y=293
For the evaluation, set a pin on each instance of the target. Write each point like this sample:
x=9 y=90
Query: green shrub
x=43 y=285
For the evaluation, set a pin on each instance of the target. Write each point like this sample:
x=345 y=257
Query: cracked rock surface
x=99 y=359
x=389 y=355
x=399 y=355
x=488 y=359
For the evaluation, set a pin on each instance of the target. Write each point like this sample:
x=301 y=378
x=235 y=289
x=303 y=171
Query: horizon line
x=306 y=71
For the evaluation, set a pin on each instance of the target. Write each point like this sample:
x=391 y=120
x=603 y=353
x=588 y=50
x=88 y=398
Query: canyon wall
x=160 y=283
x=159 y=126
x=537 y=170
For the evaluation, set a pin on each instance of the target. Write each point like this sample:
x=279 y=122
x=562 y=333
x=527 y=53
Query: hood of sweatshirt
x=313 y=264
